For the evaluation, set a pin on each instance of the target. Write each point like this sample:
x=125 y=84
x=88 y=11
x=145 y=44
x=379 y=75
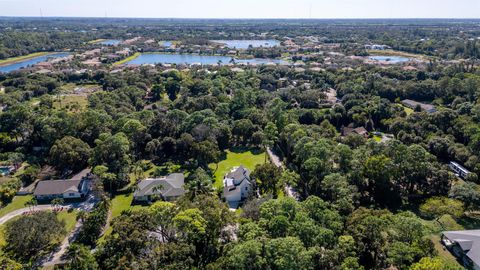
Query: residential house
x=350 y=129
x=459 y=169
x=168 y=188
x=236 y=185
x=66 y=189
x=464 y=245
x=412 y=104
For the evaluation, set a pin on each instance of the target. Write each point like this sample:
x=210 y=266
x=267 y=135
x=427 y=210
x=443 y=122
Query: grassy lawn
x=407 y=110
x=18 y=202
x=70 y=219
x=119 y=203
x=248 y=158
x=398 y=53
x=22 y=58
x=96 y=41
x=66 y=102
x=130 y=58
x=377 y=138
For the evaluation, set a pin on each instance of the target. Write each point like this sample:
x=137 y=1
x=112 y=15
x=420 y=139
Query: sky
x=317 y=9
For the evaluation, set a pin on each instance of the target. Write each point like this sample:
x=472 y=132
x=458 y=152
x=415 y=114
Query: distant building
x=359 y=130
x=464 y=245
x=168 y=188
x=65 y=189
x=376 y=47
x=236 y=185
x=459 y=169
x=412 y=104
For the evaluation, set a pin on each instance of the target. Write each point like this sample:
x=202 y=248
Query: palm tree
x=33 y=202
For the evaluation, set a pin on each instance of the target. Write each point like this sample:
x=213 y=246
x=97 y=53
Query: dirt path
x=290 y=192
x=56 y=256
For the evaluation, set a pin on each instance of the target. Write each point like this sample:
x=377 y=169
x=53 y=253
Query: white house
x=459 y=169
x=236 y=185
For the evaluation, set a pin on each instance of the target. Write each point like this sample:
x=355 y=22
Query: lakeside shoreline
x=18 y=59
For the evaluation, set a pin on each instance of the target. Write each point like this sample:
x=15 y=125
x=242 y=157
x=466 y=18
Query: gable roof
x=469 y=241
x=237 y=173
x=170 y=186
x=54 y=187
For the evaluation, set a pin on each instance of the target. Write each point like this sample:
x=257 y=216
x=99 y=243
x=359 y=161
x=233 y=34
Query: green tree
x=438 y=206
x=80 y=258
x=70 y=153
x=267 y=178
x=30 y=236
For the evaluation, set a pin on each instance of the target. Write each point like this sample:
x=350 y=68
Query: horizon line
x=240 y=18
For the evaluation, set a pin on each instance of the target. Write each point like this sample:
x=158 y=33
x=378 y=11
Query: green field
x=248 y=158
x=119 y=204
x=13 y=60
x=130 y=58
x=18 y=202
x=96 y=41
x=66 y=102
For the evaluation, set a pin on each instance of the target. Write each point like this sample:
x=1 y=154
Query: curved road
x=22 y=211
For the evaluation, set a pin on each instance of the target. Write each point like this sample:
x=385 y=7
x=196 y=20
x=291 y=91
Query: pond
x=244 y=44
x=30 y=62
x=391 y=59
x=110 y=42
x=164 y=58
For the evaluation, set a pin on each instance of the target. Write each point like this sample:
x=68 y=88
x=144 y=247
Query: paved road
x=85 y=206
x=22 y=211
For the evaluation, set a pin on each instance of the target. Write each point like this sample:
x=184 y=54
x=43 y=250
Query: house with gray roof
x=464 y=245
x=168 y=188
x=65 y=189
x=412 y=104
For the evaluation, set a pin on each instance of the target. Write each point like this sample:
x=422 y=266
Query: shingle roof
x=468 y=241
x=53 y=187
x=170 y=186
x=237 y=173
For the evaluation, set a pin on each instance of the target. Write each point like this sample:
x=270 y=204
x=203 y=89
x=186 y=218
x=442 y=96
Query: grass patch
x=234 y=157
x=18 y=202
x=128 y=59
x=119 y=204
x=398 y=53
x=71 y=102
x=407 y=110
x=70 y=219
x=95 y=41
x=377 y=138
x=13 y=60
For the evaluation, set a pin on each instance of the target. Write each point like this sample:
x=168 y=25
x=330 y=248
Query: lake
x=163 y=58
x=244 y=44
x=391 y=59
x=110 y=42
x=30 y=62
